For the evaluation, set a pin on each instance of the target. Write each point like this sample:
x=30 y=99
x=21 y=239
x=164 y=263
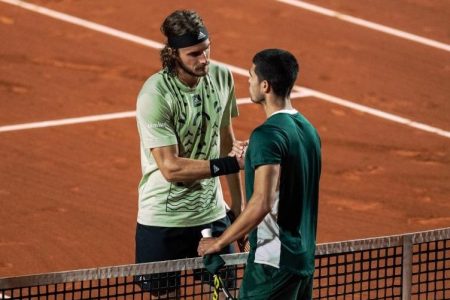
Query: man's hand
x=238 y=150
x=208 y=246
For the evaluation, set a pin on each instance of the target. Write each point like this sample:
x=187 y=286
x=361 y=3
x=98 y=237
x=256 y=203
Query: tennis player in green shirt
x=282 y=171
x=184 y=116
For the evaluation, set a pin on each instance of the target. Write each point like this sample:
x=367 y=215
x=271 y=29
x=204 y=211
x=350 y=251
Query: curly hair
x=177 y=23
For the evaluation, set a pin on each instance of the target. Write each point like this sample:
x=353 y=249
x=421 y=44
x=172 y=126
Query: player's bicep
x=154 y=120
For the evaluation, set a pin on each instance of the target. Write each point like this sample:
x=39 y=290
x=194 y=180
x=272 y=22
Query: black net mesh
x=415 y=266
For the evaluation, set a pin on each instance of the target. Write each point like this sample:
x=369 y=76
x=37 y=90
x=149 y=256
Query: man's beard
x=193 y=73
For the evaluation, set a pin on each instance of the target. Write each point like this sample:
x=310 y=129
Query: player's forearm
x=226 y=140
x=233 y=180
x=181 y=169
x=253 y=214
x=234 y=185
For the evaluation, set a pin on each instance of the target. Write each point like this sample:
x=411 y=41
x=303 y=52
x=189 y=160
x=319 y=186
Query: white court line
x=103 y=117
x=52 y=123
x=234 y=69
x=364 y=23
x=378 y=113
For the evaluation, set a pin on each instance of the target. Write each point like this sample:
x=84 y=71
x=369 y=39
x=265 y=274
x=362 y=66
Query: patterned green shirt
x=286 y=238
x=170 y=113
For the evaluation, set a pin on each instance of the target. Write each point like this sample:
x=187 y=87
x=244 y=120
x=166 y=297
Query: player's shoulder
x=219 y=72
x=265 y=131
x=266 y=138
x=156 y=82
x=218 y=68
x=154 y=91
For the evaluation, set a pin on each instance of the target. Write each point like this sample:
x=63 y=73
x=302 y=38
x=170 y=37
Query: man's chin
x=257 y=101
x=202 y=72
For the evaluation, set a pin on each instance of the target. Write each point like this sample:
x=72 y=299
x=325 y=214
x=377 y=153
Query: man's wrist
x=224 y=166
x=219 y=245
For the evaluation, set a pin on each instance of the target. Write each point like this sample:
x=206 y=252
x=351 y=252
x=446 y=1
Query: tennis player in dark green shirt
x=282 y=172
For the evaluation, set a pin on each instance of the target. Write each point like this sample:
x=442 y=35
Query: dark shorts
x=263 y=282
x=168 y=243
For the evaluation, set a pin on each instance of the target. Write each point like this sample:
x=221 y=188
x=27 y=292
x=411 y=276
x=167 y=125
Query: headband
x=188 y=39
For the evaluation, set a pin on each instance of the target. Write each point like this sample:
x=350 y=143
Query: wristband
x=224 y=166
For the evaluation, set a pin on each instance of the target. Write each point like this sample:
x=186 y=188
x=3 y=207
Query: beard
x=198 y=71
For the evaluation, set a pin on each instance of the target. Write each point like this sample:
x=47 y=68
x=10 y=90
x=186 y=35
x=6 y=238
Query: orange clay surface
x=68 y=194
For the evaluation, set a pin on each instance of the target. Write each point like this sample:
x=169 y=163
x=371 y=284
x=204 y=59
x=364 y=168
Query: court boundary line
x=152 y=44
x=103 y=117
x=368 y=24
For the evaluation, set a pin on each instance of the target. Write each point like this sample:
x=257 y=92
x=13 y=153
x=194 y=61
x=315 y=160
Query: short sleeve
x=231 y=109
x=154 y=119
x=265 y=147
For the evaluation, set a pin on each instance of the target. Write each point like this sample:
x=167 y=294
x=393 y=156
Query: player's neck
x=274 y=104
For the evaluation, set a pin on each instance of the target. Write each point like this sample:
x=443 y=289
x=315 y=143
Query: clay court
x=68 y=192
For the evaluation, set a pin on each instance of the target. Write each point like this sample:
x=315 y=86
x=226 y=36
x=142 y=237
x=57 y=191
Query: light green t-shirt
x=170 y=113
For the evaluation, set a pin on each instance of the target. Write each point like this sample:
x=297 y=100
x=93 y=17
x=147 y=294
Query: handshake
x=238 y=151
x=232 y=163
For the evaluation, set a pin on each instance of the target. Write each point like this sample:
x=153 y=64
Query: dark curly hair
x=177 y=23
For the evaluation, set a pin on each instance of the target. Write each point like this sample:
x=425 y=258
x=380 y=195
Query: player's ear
x=265 y=86
x=172 y=52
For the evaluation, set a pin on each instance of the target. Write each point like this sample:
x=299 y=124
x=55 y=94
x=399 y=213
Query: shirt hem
x=179 y=225
x=266 y=263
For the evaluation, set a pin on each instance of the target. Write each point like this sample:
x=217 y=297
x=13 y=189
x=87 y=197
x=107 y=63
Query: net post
x=407 y=266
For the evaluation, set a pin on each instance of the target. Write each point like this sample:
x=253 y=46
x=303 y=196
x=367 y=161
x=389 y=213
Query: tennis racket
x=217 y=281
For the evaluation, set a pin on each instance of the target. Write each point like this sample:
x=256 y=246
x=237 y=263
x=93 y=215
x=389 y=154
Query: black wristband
x=224 y=166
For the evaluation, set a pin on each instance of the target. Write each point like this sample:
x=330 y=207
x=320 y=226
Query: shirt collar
x=285 y=111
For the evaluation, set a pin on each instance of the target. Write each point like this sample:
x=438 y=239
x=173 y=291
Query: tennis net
x=408 y=266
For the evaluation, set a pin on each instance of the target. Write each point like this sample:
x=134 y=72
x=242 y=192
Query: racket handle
x=207 y=232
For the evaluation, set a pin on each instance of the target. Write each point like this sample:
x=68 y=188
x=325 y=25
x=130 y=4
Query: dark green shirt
x=286 y=238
